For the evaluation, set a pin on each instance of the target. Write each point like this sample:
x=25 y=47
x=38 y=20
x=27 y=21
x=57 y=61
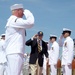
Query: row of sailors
x=67 y=54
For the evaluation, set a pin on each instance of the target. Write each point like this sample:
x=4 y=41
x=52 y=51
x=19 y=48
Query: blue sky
x=51 y=16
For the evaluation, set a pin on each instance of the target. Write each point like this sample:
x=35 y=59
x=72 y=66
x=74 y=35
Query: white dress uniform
x=2 y=58
x=53 y=57
x=67 y=56
x=67 y=52
x=15 y=39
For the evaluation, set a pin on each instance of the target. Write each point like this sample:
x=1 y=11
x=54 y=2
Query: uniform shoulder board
x=16 y=19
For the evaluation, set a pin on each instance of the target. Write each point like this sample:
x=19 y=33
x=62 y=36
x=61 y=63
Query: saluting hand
x=61 y=37
x=34 y=37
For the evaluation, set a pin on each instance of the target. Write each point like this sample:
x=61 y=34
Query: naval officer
x=15 y=37
x=67 y=53
x=53 y=54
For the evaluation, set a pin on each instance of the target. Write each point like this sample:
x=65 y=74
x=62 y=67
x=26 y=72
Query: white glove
x=61 y=37
x=29 y=16
x=27 y=13
x=60 y=41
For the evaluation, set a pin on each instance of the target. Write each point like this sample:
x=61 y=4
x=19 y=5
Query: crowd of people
x=12 y=46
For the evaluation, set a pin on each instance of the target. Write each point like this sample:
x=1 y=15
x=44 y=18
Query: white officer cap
x=16 y=6
x=53 y=36
x=66 y=30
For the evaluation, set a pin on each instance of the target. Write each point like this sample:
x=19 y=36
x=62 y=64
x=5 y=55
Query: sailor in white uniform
x=2 y=56
x=15 y=37
x=67 y=53
x=53 y=55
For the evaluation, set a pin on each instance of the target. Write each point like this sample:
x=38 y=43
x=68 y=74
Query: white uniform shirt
x=67 y=53
x=54 y=53
x=15 y=32
x=2 y=52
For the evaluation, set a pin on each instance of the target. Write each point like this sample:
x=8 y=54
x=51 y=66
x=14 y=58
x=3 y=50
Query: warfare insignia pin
x=65 y=44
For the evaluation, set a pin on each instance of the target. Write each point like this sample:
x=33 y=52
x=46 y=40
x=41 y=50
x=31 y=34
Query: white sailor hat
x=16 y=6
x=2 y=35
x=65 y=30
x=53 y=36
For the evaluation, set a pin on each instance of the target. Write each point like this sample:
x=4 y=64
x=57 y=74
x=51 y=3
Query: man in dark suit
x=38 y=49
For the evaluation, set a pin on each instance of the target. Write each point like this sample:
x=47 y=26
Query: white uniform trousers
x=67 y=69
x=53 y=70
x=2 y=69
x=14 y=64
